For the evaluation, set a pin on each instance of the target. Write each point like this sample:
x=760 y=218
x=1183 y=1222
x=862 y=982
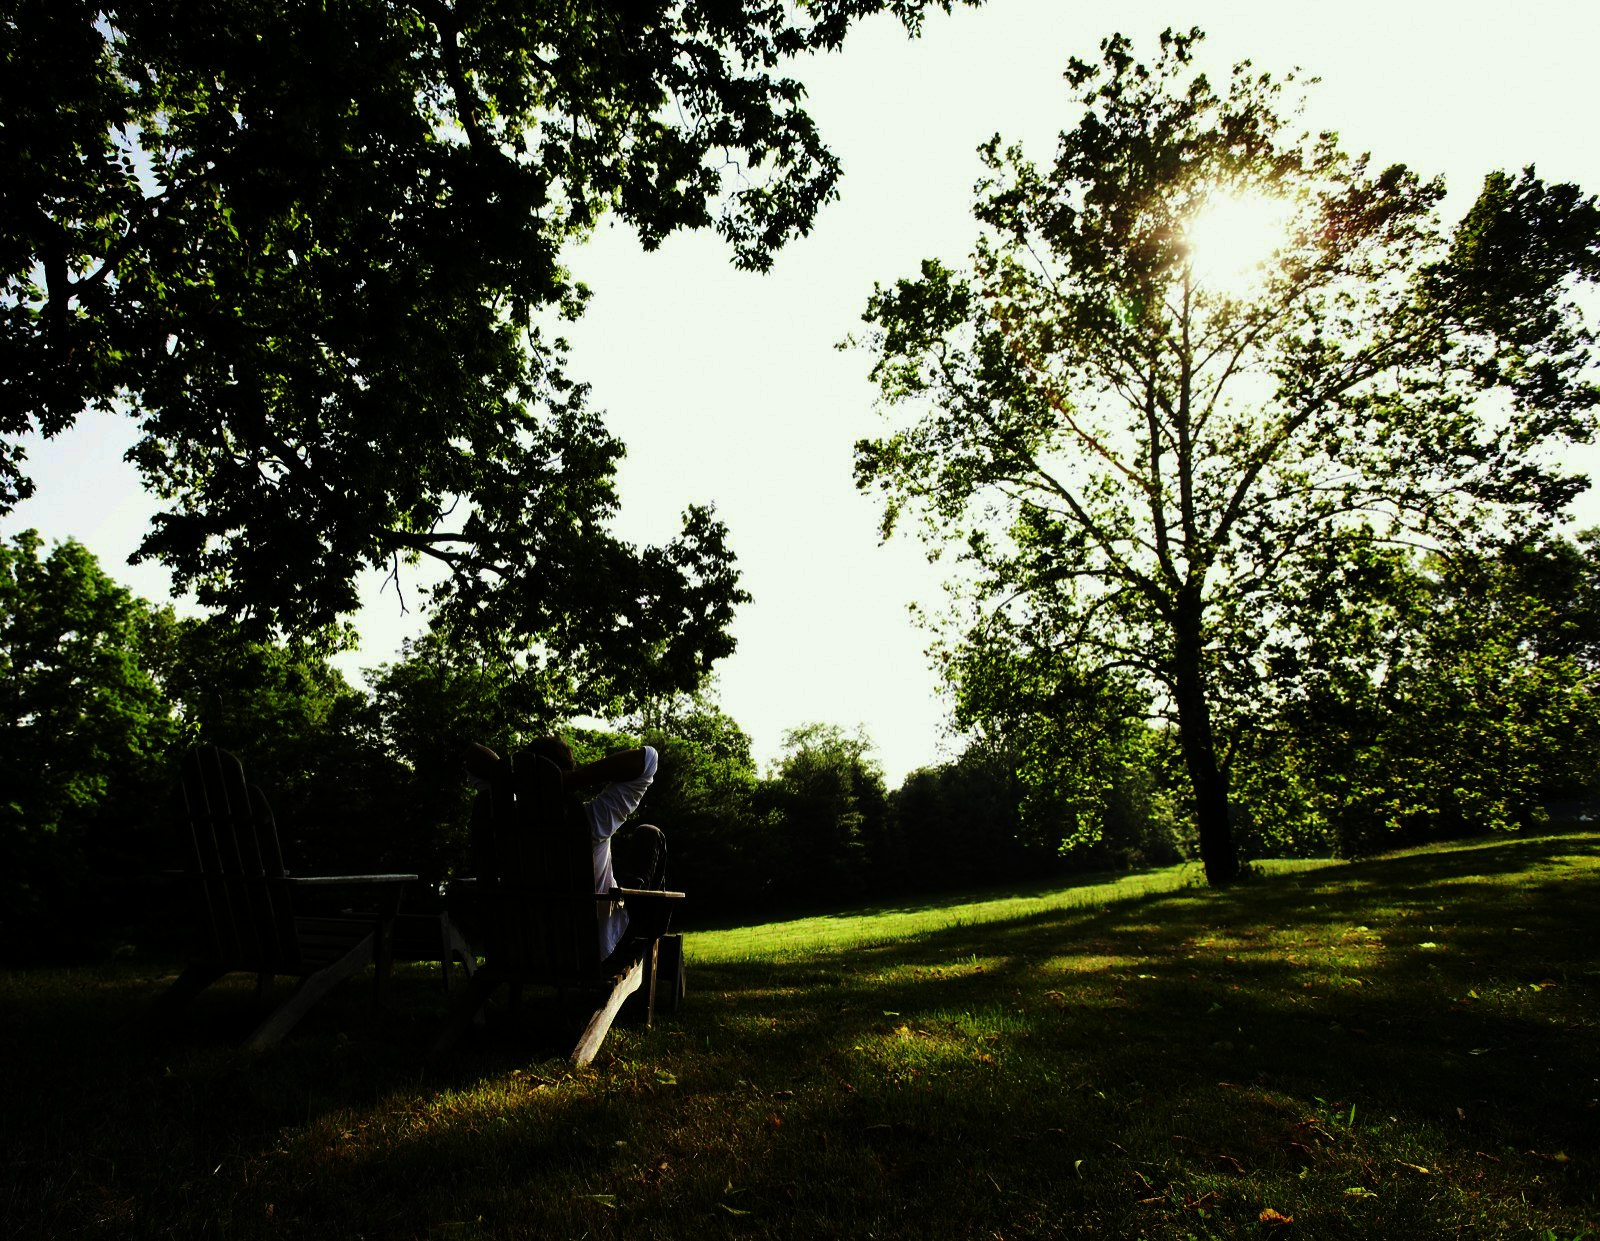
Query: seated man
x=640 y=856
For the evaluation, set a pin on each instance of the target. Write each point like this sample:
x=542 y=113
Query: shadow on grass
x=1417 y=1028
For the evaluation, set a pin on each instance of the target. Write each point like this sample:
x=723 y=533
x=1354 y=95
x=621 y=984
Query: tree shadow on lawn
x=1355 y=986
x=848 y=1090
x=1178 y=1045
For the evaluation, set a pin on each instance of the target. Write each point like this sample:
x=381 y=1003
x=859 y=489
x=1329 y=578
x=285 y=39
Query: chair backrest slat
x=245 y=911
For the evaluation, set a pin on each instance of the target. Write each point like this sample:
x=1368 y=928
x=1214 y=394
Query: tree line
x=1452 y=698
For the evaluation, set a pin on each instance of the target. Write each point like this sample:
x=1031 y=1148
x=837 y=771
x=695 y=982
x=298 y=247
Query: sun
x=1233 y=237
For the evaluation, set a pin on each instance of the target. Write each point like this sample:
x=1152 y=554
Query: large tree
x=1135 y=449
x=316 y=250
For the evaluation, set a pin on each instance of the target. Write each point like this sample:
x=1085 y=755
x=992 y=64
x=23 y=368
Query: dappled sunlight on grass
x=1092 y=962
x=935 y=1044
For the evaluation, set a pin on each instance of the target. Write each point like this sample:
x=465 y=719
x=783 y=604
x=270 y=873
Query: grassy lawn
x=1401 y=1048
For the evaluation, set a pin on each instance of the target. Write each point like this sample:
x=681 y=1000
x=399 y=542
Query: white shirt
x=605 y=813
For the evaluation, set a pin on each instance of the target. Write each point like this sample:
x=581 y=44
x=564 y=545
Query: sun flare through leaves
x=1232 y=238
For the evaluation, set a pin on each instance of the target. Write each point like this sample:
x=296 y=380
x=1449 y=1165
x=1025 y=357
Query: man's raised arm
x=615 y=768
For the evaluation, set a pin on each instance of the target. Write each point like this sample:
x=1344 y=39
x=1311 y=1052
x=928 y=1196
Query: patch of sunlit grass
x=803 y=937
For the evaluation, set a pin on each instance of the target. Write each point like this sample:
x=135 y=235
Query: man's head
x=554 y=749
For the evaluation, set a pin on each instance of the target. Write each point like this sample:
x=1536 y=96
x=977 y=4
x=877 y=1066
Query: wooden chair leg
x=453 y=944
x=641 y=1008
x=311 y=989
x=600 y=1024
x=461 y=948
x=651 y=973
x=383 y=941
x=669 y=966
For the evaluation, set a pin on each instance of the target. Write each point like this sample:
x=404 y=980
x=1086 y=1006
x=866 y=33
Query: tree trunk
x=1217 y=851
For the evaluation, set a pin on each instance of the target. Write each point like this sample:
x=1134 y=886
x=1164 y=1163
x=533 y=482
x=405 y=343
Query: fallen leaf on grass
x=1557 y=1157
x=1359 y=1191
x=1275 y=1219
x=1415 y=1167
x=1229 y=1164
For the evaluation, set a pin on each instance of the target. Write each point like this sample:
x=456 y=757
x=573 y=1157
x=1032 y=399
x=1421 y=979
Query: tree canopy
x=1440 y=695
x=316 y=250
x=1143 y=458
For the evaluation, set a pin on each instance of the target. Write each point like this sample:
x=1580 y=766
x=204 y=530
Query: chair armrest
x=383 y=896
x=348 y=881
x=534 y=891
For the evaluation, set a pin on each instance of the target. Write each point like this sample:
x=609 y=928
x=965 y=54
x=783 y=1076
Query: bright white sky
x=726 y=387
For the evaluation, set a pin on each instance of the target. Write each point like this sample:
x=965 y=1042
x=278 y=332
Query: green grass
x=1398 y=1048
x=856 y=928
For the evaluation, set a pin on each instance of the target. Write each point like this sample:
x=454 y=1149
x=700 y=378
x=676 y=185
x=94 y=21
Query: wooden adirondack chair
x=245 y=901
x=539 y=911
